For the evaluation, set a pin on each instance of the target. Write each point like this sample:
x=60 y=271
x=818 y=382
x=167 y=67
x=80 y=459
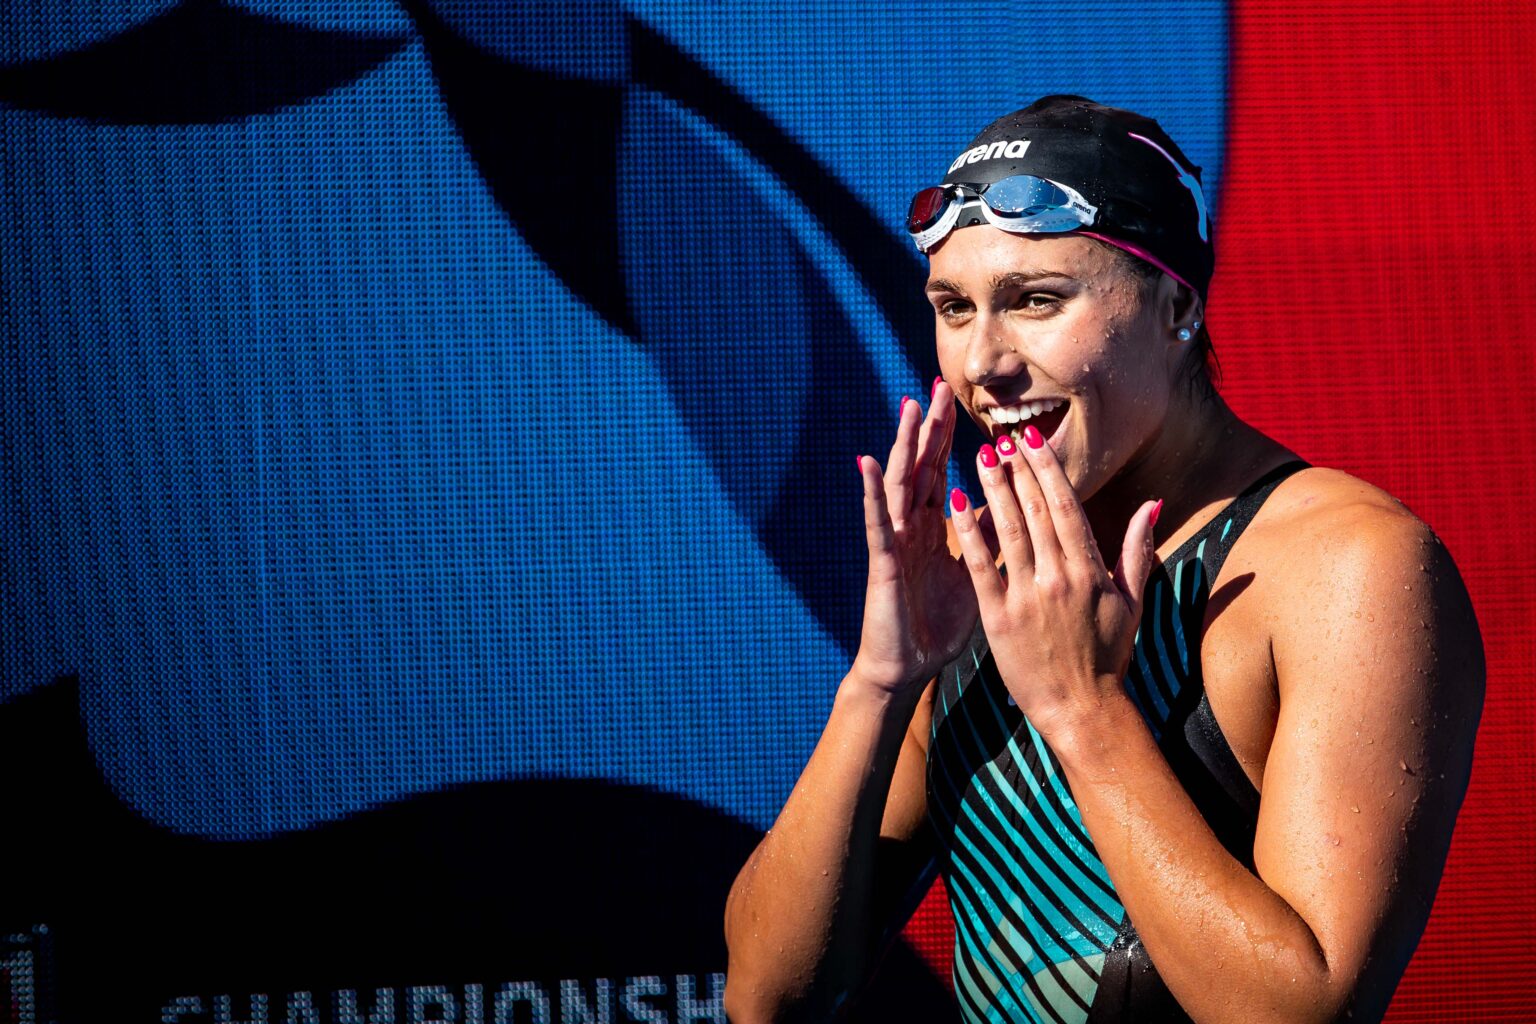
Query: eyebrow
x=1012 y=279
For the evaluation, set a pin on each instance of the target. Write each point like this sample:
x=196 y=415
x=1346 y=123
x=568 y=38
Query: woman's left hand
x=1061 y=626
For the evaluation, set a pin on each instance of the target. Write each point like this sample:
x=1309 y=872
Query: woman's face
x=1061 y=327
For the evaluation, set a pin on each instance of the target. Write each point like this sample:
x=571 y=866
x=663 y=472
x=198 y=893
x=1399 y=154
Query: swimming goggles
x=1021 y=203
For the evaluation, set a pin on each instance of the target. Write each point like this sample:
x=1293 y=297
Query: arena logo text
x=1005 y=148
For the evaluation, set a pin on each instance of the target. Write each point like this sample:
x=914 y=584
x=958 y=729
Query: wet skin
x=1347 y=675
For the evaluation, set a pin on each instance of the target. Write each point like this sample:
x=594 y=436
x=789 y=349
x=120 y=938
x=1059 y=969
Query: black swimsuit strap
x=1234 y=518
x=1239 y=810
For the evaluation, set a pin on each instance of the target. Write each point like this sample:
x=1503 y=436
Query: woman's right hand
x=919 y=605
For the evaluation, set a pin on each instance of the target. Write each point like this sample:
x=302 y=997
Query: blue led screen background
x=430 y=541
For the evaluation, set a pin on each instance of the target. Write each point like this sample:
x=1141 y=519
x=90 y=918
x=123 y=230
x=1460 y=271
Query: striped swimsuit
x=1040 y=934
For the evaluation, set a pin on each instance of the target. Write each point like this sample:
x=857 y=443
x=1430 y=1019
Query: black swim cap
x=1148 y=195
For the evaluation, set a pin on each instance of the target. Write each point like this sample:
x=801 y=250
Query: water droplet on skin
x=1370 y=618
x=1404 y=766
x=1354 y=808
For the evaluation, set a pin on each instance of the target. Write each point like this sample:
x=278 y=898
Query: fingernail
x=858 y=460
x=935 y=389
x=988 y=456
x=957 y=499
x=1032 y=436
x=1005 y=445
x=1156 y=511
x=902 y=408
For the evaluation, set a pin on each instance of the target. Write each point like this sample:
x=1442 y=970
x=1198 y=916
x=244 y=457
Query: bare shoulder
x=1344 y=562
x=1322 y=523
x=1320 y=500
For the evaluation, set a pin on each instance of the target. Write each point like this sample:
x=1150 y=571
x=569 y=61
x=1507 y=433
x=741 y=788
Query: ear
x=1180 y=306
x=1178 y=309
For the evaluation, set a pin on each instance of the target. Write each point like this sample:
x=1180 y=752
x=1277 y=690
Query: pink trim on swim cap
x=1142 y=254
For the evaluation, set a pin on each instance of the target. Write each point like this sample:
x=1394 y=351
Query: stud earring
x=1197 y=326
x=1184 y=334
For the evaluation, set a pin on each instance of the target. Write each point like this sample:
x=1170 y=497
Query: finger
x=1073 y=533
x=898 y=468
x=879 y=532
x=930 y=446
x=989 y=531
x=1138 y=554
x=1036 y=512
x=944 y=394
x=940 y=483
x=1007 y=519
x=988 y=582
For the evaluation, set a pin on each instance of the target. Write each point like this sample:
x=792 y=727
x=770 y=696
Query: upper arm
x=906 y=805
x=905 y=862
x=1380 y=670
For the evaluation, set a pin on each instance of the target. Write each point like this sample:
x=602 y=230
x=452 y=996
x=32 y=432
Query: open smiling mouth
x=1045 y=415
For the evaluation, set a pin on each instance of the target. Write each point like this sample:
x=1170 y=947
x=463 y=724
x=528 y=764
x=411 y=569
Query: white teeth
x=1024 y=411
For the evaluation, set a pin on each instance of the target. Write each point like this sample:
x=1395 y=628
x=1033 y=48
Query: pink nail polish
x=988 y=456
x=935 y=389
x=902 y=408
x=1032 y=437
x=858 y=460
x=1157 y=510
x=1005 y=445
x=957 y=499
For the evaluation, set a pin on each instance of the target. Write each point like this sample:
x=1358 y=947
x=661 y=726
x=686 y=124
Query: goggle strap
x=941 y=227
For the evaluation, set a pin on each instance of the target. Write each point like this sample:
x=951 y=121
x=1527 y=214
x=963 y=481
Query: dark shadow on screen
x=200 y=62
x=528 y=880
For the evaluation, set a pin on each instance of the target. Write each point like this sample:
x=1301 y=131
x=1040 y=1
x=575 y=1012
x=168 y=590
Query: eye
x=952 y=309
x=1040 y=301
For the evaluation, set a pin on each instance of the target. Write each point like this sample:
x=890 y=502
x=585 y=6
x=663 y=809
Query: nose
x=989 y=354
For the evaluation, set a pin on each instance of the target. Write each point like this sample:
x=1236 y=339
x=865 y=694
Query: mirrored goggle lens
x=927 y=206
x=1023 y=195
